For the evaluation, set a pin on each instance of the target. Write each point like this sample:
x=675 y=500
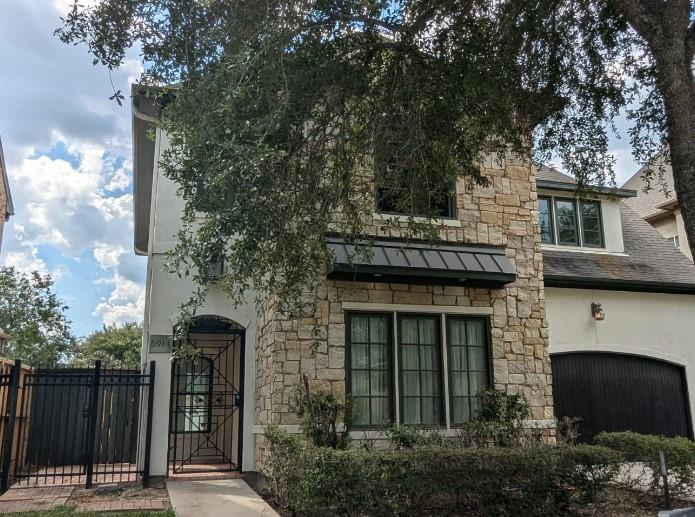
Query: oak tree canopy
x=278 y=110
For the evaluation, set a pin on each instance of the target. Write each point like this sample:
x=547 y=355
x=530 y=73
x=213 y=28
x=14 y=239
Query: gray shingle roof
x=545 y=173
x=661 y=189
x=651 y=262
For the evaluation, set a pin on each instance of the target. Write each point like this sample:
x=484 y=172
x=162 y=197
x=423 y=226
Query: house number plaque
x=160 y=344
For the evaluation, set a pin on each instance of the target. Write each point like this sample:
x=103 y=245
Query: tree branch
x=641 y=17
x=364 y=19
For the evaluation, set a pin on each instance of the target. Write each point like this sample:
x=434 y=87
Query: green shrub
x=408 y=437
x=567 y=429
x=499 y=421
x=320 y=413
x=644 y=448
x=436 y=480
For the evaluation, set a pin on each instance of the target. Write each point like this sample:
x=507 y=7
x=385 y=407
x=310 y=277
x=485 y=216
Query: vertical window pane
x=421 y=376
x=359 y=328
x=361 y=409
x=468 y=364
x=566 y=216
x=591 y=223
x=370 y=368
x=545 y=220
x=460 y=409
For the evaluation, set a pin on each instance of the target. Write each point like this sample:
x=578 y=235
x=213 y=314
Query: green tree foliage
x=281 y=113
x=117 y=346
x=34 y=317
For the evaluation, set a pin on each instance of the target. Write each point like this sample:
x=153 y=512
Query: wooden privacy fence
x=75 y=425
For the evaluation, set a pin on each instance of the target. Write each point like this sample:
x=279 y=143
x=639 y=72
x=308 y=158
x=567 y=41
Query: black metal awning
x=419 y=262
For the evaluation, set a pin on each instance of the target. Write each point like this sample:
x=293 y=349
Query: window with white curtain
x=410 y=348
x=369 y=381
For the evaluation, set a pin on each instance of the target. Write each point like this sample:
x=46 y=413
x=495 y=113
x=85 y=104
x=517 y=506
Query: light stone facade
x=504 y=213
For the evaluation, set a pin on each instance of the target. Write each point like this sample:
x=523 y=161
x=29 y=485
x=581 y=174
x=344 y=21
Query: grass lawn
x=67 y=511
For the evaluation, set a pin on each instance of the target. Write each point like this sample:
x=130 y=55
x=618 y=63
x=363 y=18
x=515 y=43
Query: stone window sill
x=453 y=223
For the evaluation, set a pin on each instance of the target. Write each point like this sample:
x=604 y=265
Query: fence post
x=148 y=427
x=92 y=424
x=10 y=418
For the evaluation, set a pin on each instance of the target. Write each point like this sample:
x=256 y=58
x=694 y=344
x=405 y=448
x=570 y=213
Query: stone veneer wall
x=505 y=213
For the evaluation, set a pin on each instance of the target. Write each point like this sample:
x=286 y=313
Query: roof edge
x=143 y=112
x=615 y=284
x=9 y=211
x=573 y=187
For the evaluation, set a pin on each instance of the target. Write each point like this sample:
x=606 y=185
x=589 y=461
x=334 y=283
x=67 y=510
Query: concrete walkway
x=232 y=497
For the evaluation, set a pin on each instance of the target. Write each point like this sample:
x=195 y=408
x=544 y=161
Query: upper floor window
x=570 y=222
x=399 y=191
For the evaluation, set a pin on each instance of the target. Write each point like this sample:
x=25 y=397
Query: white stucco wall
x=165 y=292
x=648 y=324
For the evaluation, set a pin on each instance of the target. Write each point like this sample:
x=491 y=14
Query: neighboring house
x=658 y=205
x=412 y=334
x=6 y=207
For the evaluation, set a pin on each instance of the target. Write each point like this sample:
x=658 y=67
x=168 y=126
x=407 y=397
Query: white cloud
x=108 y=255
x=25 y=260
x=125 y=303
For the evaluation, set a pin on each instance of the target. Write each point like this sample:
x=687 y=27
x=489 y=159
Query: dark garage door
x=617 y=392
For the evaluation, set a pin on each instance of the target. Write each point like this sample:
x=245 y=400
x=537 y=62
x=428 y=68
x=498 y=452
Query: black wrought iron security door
x=206 y=405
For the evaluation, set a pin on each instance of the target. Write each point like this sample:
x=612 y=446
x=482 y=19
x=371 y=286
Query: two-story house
x=6 y=207
x=413 y=332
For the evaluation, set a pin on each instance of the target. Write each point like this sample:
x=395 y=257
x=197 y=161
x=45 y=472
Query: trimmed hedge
x=434 y=480
x=644 y=448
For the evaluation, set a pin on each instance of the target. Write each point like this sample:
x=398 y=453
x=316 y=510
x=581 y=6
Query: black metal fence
x=75 y=425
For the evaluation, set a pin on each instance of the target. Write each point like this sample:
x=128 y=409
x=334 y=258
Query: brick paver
x=32 y=499
x=120 y=506
x=47 y=498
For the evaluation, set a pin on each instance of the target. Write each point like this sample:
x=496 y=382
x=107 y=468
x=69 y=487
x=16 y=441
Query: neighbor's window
x=420 y=372
x=469 y=369
x=676 y=241
x=569 y=222
x=369 y=346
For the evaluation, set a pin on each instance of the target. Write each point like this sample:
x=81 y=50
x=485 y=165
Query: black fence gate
x=75 y=425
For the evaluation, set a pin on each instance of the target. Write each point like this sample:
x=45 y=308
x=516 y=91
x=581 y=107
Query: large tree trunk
x=676 y=84
x=670 y=36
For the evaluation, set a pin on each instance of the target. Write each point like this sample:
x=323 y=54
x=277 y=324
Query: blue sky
x=68 y=154
x=69 y=159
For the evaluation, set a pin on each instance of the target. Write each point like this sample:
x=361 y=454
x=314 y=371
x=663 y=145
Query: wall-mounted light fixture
x=597 y=312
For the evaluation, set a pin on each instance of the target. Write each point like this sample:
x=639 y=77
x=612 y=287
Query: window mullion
x=445 y=371
x=580 y=221
x=396 y=399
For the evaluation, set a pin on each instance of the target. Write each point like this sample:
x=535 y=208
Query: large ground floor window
x=416 y=369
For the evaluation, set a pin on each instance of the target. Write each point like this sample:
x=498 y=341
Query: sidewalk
x=212 y=498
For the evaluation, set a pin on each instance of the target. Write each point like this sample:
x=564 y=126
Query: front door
x=206 y=405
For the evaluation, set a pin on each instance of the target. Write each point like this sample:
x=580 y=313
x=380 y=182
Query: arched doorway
x=206 y=403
